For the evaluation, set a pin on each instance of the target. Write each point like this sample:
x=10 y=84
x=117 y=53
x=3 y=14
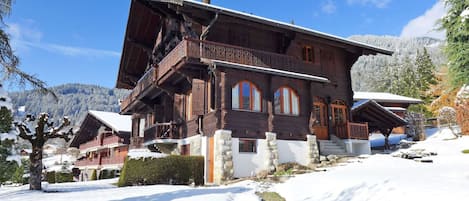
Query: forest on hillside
x=74 y=101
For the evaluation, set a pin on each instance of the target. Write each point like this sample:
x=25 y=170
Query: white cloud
x=377 y=3
x=426 y=24
x=24 y=37
x=328 y=7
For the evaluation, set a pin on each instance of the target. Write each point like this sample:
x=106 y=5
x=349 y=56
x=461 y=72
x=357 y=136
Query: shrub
x=173 y=169
x=93 y=175
x=61 y=177
x=50 y=177
x=465 y=151
x=107 y=174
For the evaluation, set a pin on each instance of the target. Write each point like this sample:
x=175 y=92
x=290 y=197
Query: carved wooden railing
x=195 y=49
x=112 y=140
x=352 y=130
x=143 y=83
x=112 y=160
x=161 y=131
x=90 y=144
x=87 y=161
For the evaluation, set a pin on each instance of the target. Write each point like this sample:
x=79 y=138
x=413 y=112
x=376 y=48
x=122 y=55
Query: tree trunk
x=35 y=168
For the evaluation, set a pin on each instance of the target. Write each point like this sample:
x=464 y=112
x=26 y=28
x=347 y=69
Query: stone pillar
x=271 y=160
x=313 y=153
x=223 y=157
x=195 y=146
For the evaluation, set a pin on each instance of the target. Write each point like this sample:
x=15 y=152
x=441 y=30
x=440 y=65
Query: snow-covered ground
x=378 y=177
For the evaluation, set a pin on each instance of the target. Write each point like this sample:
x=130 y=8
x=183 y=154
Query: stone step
x=328 y=147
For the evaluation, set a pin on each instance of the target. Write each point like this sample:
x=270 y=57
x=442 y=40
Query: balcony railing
x=195 y=49
x=114 y=139
x=87 y=162
x=112 y=160
x=352 y=130
x=161 y=131
x=90 y=144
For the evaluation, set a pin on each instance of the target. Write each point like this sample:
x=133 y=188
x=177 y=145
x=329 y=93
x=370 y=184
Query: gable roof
x=384 y=97
x=377 y=116
x=271 y=22
x=142 y=27
x=115 y=121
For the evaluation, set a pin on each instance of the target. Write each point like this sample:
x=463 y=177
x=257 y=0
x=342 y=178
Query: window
x=286 y=101
x=211 y=92
x=246 y=96
x=320 y=111
x=339 y=114
x=141 y=127
x=247 y=145
x=188 y=105
x=308 y=54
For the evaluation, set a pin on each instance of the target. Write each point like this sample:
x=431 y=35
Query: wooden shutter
x=198 y=97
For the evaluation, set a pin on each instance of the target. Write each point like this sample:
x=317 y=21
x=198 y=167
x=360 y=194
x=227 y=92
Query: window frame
x=308 y=54
x=339 y=112
x=246 y=149
x=291 y=92
x=252 y=89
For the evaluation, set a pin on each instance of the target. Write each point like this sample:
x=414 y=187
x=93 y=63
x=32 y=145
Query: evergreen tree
x=7 y=167
x=456 y=24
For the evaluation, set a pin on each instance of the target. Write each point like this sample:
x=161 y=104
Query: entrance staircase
x=329 y=147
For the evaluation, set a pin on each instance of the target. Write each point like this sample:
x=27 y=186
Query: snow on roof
x=397 y=109
x=115 y=121
x=276 y=23
x=384 y=97
x=144 y=153
x=58 y=159
x=360 y=103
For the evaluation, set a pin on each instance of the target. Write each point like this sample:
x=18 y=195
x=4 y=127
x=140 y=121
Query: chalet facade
x=103 y=140
x=246 y=92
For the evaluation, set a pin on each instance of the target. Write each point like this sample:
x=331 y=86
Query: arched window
x=286 y=101
x=246 y=96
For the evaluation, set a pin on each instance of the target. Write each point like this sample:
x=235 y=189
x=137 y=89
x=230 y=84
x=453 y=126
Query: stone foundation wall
x=313 y=152
x=223 y=158
x=271 y=158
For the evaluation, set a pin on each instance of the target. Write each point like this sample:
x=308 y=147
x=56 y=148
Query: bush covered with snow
x=173 y=169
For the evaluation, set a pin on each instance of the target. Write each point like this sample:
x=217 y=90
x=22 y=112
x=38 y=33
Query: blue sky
x=81 y=41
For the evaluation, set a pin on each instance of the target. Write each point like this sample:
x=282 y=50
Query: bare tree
x=38 y=135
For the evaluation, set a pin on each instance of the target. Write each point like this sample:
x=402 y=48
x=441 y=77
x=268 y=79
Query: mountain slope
x=369 y=70
x=74 y=101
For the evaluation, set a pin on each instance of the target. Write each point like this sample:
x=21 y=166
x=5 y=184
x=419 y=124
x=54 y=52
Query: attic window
x=308 y=54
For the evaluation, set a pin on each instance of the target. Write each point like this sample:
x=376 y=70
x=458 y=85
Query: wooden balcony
x=352 y=130
x=112 y=140
x=90 y=144
x=161 y=131
x=112 y=160
x=87 y=162
x=191 y=50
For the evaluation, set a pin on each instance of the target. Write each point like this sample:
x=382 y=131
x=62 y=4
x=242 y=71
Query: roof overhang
x=377 y=116
x=270 y=71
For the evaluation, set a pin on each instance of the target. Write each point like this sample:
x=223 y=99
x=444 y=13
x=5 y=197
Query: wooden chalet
x=103 y=140
x=392 y=102
x=211 y=81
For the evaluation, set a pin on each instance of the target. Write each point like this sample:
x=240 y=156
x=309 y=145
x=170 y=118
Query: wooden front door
x=339 y=118
x=321 y=121
x=210 y=159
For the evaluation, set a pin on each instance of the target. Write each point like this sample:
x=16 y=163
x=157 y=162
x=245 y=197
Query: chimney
x=206 y=1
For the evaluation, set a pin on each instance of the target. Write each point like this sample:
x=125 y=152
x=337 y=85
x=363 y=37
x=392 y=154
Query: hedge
x=93 y=175
x=59 y=177
x=107 y=174
x=172 y=169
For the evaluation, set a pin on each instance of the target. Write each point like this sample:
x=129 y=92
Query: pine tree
x=456 y=24
x=7 y=166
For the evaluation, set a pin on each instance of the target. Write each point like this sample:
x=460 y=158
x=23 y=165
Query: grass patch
x=465 y=151
x=270 y=196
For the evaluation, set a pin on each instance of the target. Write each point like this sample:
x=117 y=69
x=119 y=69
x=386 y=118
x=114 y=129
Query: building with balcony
x=245 y=92
x=103 y=140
